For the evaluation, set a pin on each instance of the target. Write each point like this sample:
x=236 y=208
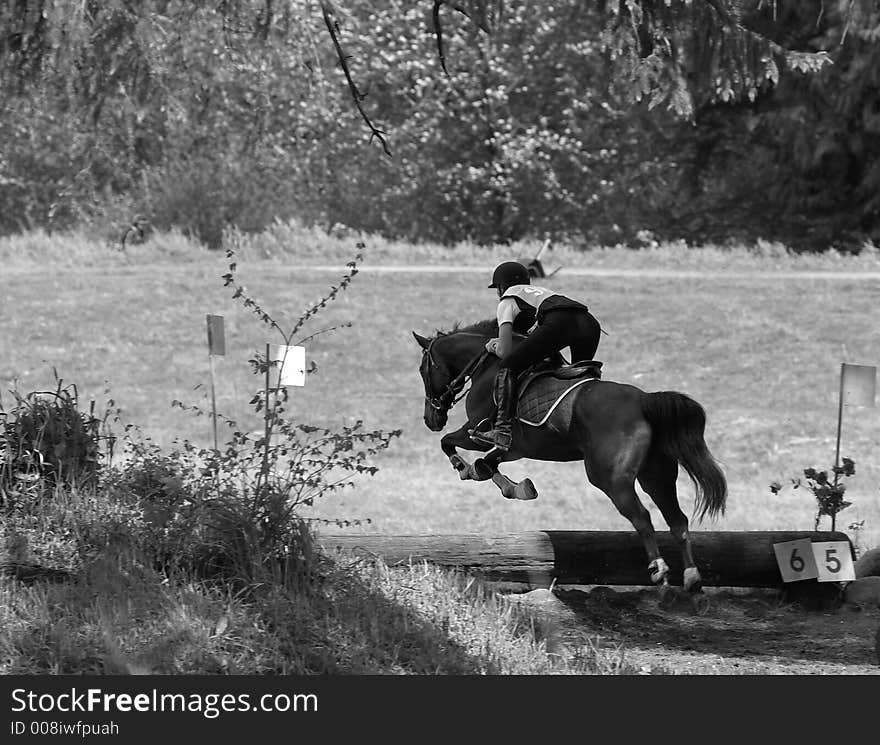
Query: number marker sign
x=216 y=337
x=795 y=560
x=292 y=361
x=829 y=561
x=834 y=561
x=858 y=384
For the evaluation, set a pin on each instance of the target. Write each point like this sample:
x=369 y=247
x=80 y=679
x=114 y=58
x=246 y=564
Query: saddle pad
x=539 y=399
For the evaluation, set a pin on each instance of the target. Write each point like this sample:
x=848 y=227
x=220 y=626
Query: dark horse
x=620 y=432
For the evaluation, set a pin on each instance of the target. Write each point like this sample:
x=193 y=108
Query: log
x=724 y=558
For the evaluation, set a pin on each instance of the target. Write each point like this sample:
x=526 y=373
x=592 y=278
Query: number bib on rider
x=529 y=294
x=534 y=296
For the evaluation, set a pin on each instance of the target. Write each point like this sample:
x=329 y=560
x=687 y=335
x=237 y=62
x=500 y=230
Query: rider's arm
x=505 y=339
x=508 y=310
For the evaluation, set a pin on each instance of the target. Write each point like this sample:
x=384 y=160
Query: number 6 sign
x=796 y=560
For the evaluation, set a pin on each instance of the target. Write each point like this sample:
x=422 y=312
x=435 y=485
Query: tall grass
x=285 y=241
x=95 y=602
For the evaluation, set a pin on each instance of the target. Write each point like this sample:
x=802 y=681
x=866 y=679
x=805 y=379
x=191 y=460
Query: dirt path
x=281 y=268
x=737 y=632
x=725 y=274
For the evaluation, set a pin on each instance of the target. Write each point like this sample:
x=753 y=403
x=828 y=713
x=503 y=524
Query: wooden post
x=839 y=424
x=216 y=346
x=265 y=467
x=837 y=448
x=213 y=400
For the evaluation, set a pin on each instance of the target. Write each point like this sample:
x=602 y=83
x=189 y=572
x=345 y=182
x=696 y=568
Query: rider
x=556 y=322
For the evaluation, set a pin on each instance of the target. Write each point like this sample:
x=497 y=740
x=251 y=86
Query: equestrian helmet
x=510 y=273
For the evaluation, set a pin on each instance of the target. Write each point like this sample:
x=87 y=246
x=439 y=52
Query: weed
x=47 y=441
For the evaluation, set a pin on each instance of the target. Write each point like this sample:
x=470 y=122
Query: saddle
x=543 y=387
x=556 y=368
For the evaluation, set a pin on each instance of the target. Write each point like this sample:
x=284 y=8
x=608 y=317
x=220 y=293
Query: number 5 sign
x=830 y=561
x=834 y=561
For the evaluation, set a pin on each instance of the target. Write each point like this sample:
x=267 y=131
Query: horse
x=620 y=432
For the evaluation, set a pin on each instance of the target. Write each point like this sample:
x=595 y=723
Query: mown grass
x=759 y=347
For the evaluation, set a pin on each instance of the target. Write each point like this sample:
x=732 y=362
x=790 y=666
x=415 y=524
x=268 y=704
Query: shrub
x=47 y=441
x=231 y=512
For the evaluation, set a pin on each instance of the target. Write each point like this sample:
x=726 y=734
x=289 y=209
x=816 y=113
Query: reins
x=454 y=389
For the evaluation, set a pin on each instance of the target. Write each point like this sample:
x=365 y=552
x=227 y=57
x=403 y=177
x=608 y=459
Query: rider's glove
x=492 y=346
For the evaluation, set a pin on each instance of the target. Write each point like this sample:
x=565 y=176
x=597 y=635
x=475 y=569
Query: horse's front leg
x=488 y=467
x=461 y=439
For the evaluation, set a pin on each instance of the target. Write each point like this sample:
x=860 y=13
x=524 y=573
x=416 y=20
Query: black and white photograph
x=504 y=341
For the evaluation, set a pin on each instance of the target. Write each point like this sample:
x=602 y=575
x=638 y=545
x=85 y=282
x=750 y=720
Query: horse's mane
x=488 y=327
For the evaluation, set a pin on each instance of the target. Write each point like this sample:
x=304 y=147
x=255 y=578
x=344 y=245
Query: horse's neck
x=468 y=346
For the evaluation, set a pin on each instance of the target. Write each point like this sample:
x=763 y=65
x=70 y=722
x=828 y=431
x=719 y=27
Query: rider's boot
x=501 y=436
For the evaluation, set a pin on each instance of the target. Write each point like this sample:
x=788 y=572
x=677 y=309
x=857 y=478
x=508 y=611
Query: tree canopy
x=502 y=119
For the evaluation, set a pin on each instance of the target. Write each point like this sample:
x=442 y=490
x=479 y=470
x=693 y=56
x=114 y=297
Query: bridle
x=453 y=393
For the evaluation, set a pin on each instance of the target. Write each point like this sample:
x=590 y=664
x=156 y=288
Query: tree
x=504 y=119
x=800 y=162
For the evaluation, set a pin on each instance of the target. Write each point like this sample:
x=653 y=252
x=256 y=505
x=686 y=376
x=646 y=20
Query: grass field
x=758 y=345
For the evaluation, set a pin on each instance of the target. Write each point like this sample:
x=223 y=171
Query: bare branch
x=438 y=34
x=438 y=30
x=357 y=96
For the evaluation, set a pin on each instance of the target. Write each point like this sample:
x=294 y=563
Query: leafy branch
x=828 y=493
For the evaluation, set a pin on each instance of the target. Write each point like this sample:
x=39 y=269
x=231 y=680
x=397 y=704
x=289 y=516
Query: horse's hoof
x=525 y=490
x=700 y=603
x=659 y=571
x=481 y=471
x=464 y=471
x=693 y=582
x=668 y=596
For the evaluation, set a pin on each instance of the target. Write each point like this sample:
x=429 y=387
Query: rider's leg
x=505 y=394
x=501 y=434
x=582 y=331
x=542 y=341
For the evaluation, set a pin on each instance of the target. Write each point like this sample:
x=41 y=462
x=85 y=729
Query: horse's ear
x=423 y=342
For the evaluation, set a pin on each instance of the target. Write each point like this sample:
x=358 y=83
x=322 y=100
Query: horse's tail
x=678 y=423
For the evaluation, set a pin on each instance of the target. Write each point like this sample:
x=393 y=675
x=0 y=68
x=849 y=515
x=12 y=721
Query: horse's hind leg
x=524 y=489
x=616 y=477
x=657 y=477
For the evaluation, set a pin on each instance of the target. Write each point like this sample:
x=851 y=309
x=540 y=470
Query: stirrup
x=483 y=437
x=497 y=438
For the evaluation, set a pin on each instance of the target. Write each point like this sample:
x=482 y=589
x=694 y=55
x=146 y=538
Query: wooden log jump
x=725 y=559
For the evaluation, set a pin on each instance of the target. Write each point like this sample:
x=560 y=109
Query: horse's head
x=437 y=377
x=448 y=361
